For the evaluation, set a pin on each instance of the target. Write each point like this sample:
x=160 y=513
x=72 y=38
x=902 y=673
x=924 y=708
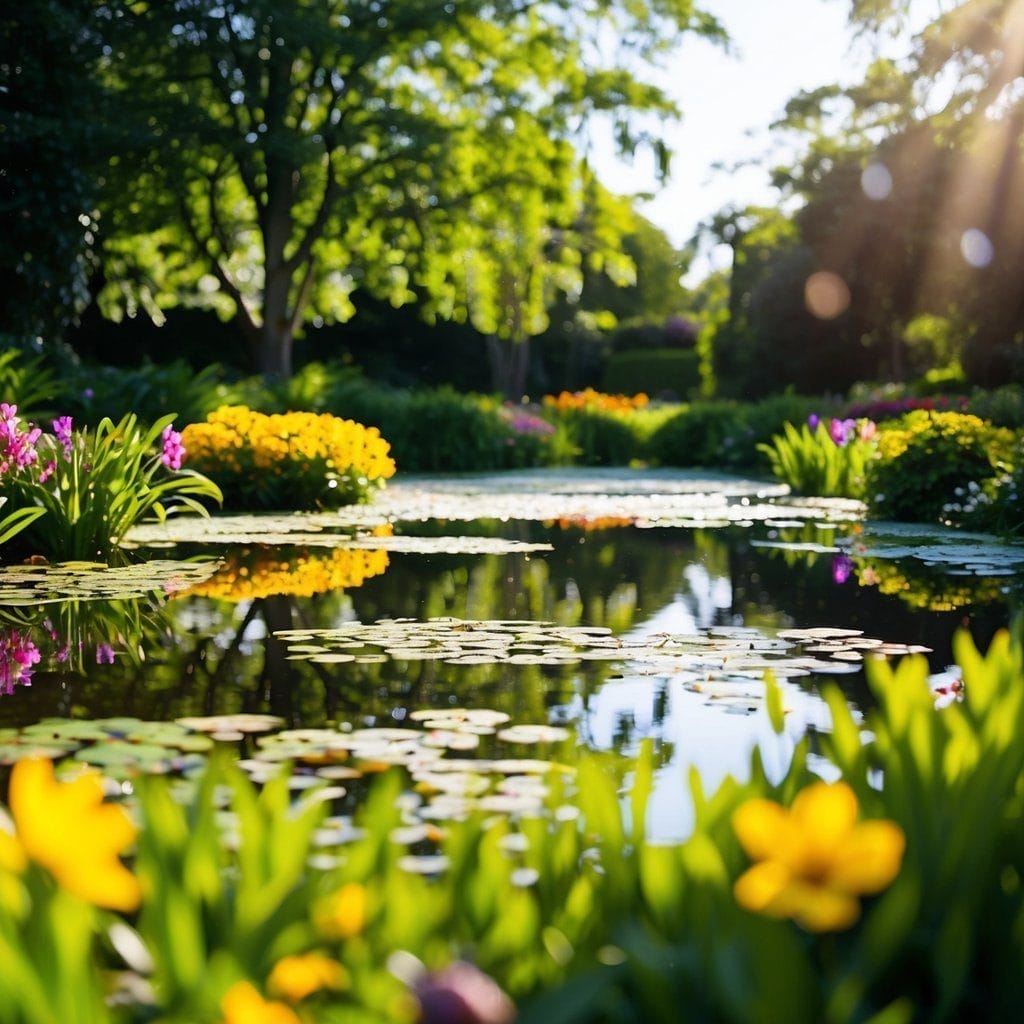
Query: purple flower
x=462 y=994
x=104 y=654
x=842 y=431
x=62 y=431
x=17 y=656
x=813 y=420
x=842 y=568
x=174 y=451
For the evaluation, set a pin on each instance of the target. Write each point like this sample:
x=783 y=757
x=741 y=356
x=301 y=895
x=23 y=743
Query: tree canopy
x=276 y=156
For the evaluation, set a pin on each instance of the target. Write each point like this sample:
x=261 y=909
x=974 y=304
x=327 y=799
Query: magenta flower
x=17 y=657
x=842 y=568
x=842 y=431
x=174 y=451
x=62 y=431
x=17 y=447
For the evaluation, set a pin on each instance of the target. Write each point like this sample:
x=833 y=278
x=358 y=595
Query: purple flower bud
x=462 y=994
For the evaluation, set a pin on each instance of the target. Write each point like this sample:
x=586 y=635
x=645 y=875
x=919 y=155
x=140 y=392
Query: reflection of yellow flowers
x=588 y=398
x=244 y=576
x=296 y=977
x=242 y=1004
x=68 y=829
x=940 y=594
x=815 y=859
x=342 y=914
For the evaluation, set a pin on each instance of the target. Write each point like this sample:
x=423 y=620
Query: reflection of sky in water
x=704 y=735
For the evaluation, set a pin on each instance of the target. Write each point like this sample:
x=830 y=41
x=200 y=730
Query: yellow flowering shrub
x=247 y=575
x=294 y=460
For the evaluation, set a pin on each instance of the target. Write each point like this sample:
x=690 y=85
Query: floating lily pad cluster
x=710 y=661
x=40 y=584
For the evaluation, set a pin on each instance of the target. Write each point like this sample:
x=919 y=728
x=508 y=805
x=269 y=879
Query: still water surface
x=229 y=645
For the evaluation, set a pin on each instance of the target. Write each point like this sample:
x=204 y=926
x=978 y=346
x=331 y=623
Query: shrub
x=925 y=457
x=295 y=460
x=657 y=371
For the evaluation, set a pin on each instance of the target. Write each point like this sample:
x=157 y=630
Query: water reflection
x=214 y=649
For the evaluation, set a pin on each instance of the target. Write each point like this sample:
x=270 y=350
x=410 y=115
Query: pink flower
x=17 y=657
x=842 y=567
x=841 y=431
x=47 y=471
x=174 y=451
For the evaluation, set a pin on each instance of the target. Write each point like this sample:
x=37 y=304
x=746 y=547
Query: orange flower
x=67 y=828
x=815 y=859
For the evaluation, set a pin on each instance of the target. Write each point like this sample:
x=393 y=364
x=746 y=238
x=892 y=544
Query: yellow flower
x=815 y=859
x=342 y=914
x=242 y=1004
x=68 y=829
x=296 y=977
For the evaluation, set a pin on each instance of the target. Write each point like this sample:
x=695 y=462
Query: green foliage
x=90 y=393
x=275 y=160
x=611 y=927
x=28 y=382
x=931 y=463
x=726 y=434
x=98 y=485
x=813 y=462
x=653 y=371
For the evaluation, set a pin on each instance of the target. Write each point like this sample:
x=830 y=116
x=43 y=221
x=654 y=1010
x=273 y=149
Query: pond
x=493 y=618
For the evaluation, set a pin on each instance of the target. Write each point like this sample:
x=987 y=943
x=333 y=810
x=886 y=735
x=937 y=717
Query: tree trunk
x=509 y=360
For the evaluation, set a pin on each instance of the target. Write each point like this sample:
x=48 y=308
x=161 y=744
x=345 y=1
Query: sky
x=780 y=47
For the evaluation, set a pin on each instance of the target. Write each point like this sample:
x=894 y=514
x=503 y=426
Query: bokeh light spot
x=976 y=247
x=876 y=181
x=826 y=295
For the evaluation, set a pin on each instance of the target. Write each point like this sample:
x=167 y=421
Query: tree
x=913 y=182
x=50 y=127
x=280 y=155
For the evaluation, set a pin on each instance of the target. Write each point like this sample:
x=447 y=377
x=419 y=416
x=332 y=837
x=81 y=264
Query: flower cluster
x=888 y=409
x=18 y=656
x=845 y=431
x=593 y=400
x=298 y=460
x=17 y=445
x=265 y=573
x=522 y=421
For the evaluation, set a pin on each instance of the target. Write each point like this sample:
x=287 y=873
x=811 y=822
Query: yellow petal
x=820 y=909
x=296 y=977
x=870 y=858
x=68 y=829
x=824 y=814
x=12 y=856
x=760 y=826
x=342 y=914
x=242 y=1004
x=763 y=888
